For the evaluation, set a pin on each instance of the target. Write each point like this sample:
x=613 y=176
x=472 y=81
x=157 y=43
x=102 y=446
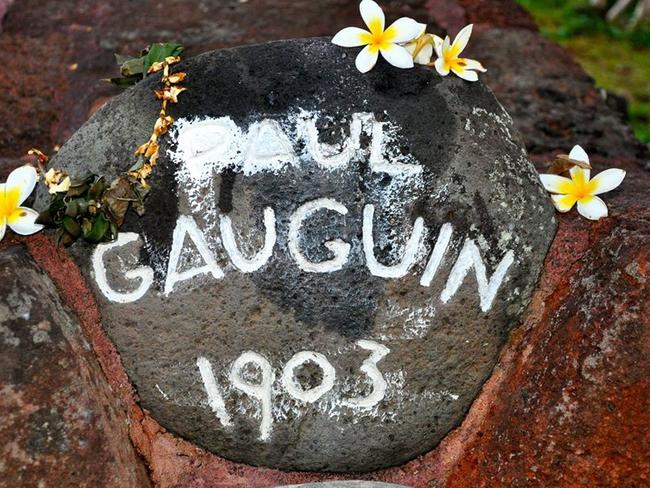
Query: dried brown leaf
x=563 y=163
x=175 y=78
x=142 y=149
x=155 y=67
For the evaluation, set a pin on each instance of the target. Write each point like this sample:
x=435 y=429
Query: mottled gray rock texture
x=60 y=423
x=402 y=357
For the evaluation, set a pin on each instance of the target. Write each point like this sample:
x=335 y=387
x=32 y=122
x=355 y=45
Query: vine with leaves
x=88 y=206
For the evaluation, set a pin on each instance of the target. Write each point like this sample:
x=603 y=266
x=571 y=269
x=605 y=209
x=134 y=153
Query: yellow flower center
x=378 y=38
x=581 y=186
x=9 y=202
x=451 y=58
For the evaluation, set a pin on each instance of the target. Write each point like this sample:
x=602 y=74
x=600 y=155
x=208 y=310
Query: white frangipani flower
x=449 y=60
x=581 y=189
x=13 y=193
x=379 y=40
x=421 y=48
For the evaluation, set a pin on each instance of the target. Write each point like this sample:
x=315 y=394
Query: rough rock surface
x=59 y=424
x=408 y=143
x=554 y=105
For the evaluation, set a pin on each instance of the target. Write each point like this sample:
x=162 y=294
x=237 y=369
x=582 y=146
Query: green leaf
x=86 y=226
x=82 y=206
x=159 y=51
x=45 y=218
x=56 y=211
x=132 y=67
x=71 y=226
x=98 y=230
x=58 y=237
x=113 y=231
x=63 y=238
x=72 y=208
x=123 y=82
x=97 y=188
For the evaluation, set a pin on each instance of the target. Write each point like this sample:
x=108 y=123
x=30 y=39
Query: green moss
x=616 y=57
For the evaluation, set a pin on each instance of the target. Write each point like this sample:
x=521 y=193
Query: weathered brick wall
x=567 y=404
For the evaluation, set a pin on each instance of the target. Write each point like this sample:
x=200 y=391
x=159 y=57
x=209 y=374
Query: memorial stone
x=329 y=262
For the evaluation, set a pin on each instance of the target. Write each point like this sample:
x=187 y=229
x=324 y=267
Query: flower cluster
x=406 y=43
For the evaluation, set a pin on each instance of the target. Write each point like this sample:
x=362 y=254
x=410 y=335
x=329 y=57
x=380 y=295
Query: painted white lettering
x=260 y=391
x=334 y=156
x=339 y=248
x=143 y=273
x=378 y=163
x=470 y=257
x=410 y=252
x=206 y=145
x=261 y=258
x=295 y=389
x=439 y=250
x=187 y=226
x=268 y=147
x=327 y=156
x=369 y=367
x=215 y=400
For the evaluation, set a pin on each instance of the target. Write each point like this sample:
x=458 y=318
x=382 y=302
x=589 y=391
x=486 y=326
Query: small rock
x=60 y=419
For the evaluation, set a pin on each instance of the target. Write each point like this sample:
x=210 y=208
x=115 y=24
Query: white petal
x=404 y=30
x=24 y=178
x=474 y=65
x=410 y=47
x=350 y=37
x=372 y=15
x=397 y=56
x=563 y=203
x=557 y=184
x=579 y=154
x=437 y=45
x=366 y=59
x=607 y=180
x=592 y=208
x=422 y=29
x=424 y=56
x=440 y=67
x=446 y=45
x=24 y=225
x=3 y=227
x=466 y=74
x=462 y=38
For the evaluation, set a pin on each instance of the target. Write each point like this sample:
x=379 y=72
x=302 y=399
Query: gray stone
x=244 y=143
x=61 y=423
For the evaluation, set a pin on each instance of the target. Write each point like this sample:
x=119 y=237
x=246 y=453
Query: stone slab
x=286 y=360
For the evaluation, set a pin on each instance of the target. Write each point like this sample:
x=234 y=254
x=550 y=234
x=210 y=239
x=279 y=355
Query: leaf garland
x=134 y=69
x=89 y=207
